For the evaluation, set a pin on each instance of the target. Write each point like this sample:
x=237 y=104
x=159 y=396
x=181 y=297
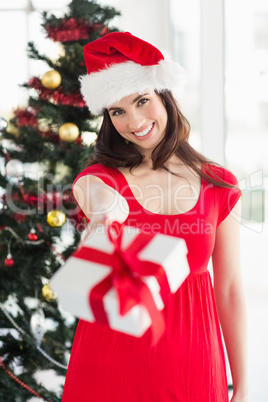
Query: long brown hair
x=112 y=150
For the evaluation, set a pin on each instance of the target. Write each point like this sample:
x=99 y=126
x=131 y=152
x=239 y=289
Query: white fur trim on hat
x=107 y=87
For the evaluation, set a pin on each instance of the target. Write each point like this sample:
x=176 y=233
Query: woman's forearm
x=232 y=314
x=98 y=200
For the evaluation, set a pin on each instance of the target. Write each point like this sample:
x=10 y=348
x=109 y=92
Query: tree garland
x=21 y=383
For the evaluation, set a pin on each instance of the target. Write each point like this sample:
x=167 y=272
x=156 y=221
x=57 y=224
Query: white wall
x=147 y=19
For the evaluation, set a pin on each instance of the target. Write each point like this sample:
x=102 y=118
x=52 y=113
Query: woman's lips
x=144 y=134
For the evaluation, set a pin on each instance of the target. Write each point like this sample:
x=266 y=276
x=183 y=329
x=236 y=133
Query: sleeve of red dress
x=100 y=171
x=227 y=197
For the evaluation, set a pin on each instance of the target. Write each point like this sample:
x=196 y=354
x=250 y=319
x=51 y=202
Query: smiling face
x=141 y=119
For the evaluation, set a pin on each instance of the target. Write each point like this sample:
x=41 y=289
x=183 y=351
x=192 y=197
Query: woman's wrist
x=241 y=392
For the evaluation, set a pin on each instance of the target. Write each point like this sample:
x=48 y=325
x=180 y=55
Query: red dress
x=187 y=365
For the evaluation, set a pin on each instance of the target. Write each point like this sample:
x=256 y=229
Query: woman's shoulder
x=220 y=173
x=107 y=174
x=95 y=168
x=226 y=193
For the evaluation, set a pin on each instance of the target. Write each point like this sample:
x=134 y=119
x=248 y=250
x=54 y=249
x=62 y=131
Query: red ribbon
x=125 y=278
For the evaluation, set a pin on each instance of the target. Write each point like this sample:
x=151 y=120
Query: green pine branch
x=34 y=54
x=86 y=10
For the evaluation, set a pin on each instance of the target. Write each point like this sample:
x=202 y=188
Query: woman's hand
x=108 y=206
x=101 y=203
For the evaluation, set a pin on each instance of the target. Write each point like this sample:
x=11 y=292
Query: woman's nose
x=135 y=121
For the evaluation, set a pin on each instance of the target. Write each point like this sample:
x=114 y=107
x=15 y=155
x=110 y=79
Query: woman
x=145 y=174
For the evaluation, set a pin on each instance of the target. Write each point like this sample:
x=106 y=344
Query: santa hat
x=120 y=64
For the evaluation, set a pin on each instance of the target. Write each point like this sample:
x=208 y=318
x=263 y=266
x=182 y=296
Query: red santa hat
x=119 y=64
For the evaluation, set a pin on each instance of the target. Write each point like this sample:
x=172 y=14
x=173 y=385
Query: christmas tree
x=44 y=146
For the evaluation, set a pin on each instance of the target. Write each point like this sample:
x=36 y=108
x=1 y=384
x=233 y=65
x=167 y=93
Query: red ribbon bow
x=125 y=277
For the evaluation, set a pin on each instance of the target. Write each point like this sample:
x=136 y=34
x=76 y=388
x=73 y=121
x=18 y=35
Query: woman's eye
x=142 y=101
x=117 y=112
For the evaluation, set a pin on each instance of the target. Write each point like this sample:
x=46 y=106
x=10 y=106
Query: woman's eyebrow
x=134 y=100
x=114 y=108
x=139 y=96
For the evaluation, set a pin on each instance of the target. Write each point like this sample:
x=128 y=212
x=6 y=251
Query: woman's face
x=141 y=119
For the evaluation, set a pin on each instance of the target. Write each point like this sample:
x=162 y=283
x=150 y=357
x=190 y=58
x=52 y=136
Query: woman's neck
x=173 y=160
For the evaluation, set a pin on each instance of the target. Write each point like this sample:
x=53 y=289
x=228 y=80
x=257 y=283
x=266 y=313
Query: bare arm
x=99 y=202
x=230 y=300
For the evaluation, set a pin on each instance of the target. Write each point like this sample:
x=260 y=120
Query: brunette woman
x=145 y=174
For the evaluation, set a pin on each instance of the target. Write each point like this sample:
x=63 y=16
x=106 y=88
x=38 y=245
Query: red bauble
x=32 y=235
x=9 y=262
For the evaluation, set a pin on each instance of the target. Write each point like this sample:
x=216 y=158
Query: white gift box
x=74 y=280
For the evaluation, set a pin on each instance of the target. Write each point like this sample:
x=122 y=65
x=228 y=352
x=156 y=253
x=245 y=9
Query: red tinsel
x=26 y=117
x=19 y=218
x=71 y=30
x=39 y=227
x=80 y=223
x=50 y=135
x=43 y=202
x=54 y=199
x=7 y=156
x=57 y=95
x=79 y=140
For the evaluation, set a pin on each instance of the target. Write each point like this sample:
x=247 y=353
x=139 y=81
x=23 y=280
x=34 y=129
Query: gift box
x=122 y=281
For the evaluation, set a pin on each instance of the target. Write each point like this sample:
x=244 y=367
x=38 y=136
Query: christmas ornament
x=56 y=218
x=3 y=124
x=24 y=334
x=37 y=325
x=9 y=262
x=14 y=168
x=48 y=293
x=57 y=96
x=51 y=79
x=32 y=235
x=11 y=129
x=33 y=240
x=68 y=132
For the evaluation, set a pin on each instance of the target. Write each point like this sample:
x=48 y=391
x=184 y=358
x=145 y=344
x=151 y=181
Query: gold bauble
x=11 y=129
x=68 y=132
x=56 y=218
x=48 y=293
x=51 y=79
